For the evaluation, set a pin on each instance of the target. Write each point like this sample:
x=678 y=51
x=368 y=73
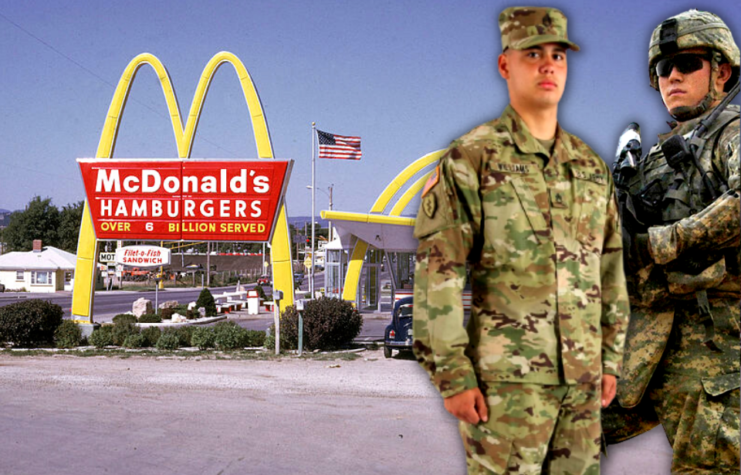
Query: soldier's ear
x=724 y=74
x=503 y=65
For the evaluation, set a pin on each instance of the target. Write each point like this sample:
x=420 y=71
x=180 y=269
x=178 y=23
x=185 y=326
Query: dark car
x=398 y=335
x=298 y=279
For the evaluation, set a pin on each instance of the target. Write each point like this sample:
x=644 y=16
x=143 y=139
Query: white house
x=45 y=269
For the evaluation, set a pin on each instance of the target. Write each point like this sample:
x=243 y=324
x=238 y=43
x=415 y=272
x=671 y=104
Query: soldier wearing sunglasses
x=681 y=360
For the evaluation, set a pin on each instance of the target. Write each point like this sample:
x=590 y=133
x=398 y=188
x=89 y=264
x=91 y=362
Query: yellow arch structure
x=355 y=266
x=87 y=249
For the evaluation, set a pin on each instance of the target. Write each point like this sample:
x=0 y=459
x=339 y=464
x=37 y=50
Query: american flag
x=338 y=146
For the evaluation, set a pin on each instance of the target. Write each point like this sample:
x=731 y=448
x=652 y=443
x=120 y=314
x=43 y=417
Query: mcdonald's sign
x=186 y=226
x=171 y=200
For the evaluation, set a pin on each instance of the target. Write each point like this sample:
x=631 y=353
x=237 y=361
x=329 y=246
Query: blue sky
x=407 y=76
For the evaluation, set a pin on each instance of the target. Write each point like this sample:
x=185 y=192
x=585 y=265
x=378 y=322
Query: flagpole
x=313 y=206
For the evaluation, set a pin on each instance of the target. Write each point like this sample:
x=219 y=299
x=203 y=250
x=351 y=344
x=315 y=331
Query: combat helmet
x=693 y=29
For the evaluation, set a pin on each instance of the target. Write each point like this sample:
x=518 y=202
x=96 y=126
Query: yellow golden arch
x=87 y=248
x=355 y=266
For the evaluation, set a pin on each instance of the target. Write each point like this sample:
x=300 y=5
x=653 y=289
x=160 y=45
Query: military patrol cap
x=525 y=27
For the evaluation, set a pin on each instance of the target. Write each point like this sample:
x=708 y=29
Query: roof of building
x=50 y=258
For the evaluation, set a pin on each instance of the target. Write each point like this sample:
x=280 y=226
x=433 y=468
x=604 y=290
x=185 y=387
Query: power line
x=98 y=77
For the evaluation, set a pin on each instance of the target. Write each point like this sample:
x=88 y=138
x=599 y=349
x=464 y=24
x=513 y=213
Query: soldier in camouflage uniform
x=530 y=207
x=681 y=364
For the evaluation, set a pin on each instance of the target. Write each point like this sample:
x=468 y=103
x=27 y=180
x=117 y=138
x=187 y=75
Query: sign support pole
x=313 y=206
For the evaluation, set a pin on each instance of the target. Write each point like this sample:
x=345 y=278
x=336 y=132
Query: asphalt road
x=107 y=304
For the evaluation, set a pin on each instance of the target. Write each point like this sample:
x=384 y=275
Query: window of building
x=41 y=278
x=67 y=276
x=19 y=276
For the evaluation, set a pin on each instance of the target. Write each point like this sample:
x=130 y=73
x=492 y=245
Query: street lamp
x=329 y=195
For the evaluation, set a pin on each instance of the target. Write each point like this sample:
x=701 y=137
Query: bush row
x=329 y=323
x=223 y=335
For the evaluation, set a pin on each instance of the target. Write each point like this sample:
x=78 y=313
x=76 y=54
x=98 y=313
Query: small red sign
x=185 y=199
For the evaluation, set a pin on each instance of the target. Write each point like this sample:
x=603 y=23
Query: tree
x=69 y=226
x=206 y=300
x=40 y=220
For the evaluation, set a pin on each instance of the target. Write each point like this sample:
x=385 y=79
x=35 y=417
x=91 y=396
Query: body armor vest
x=663 y=195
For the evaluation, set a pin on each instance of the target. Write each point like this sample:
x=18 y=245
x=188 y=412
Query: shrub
x=181 y=309
x=168 y=341
x=185 y=335
x=261 y=292
x=190 y=314
x=150 y=318
x=150 y=335
x=203 y=337
x=329 y=323
x=121 y=330
x=255 y=338
x=30 y=322
x=124 y=317
x=206 y=300
x=102 y=336
x=230 y=336
x=166 y=313
x=67 y=335
x=134 y=341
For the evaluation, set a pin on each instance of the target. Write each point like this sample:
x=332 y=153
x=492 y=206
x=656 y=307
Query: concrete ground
x=151 y=415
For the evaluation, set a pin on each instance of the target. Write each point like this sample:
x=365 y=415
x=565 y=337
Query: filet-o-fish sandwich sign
x=185 y=199
x=143 y=256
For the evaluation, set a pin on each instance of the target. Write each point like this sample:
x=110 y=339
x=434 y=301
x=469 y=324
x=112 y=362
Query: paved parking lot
x=147 y=415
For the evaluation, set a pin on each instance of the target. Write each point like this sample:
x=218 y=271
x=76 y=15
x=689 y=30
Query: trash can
x=253 y=302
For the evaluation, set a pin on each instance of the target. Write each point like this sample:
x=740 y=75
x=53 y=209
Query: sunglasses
x=685 y=64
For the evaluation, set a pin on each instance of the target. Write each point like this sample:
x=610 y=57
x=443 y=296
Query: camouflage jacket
x=713 y=231
x=542 y=237
x=716 y=225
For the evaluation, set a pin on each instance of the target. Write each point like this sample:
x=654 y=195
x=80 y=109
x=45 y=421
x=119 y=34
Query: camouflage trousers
x=535 y=429
x=695 y=391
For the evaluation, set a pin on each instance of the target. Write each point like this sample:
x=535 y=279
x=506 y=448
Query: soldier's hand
x=468 y=406
x=609 y=386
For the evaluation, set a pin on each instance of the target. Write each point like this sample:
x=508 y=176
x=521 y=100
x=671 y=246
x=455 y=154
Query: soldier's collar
x=526 y=143
x=682 y=128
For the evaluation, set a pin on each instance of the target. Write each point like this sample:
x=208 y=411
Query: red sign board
x=185 y=199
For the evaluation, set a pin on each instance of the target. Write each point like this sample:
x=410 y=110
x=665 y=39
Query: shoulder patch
x=434 y=213
x=432 y=181
x=429 y=205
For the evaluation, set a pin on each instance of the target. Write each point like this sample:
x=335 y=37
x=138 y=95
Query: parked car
x=298 y=279
x=263 y=280
x=398 y=334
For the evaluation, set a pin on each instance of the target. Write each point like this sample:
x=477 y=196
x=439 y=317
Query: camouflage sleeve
x=615 y=306
x=445 y=234
x=715 y=227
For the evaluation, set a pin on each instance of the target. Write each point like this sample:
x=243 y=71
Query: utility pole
x=208 y=264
